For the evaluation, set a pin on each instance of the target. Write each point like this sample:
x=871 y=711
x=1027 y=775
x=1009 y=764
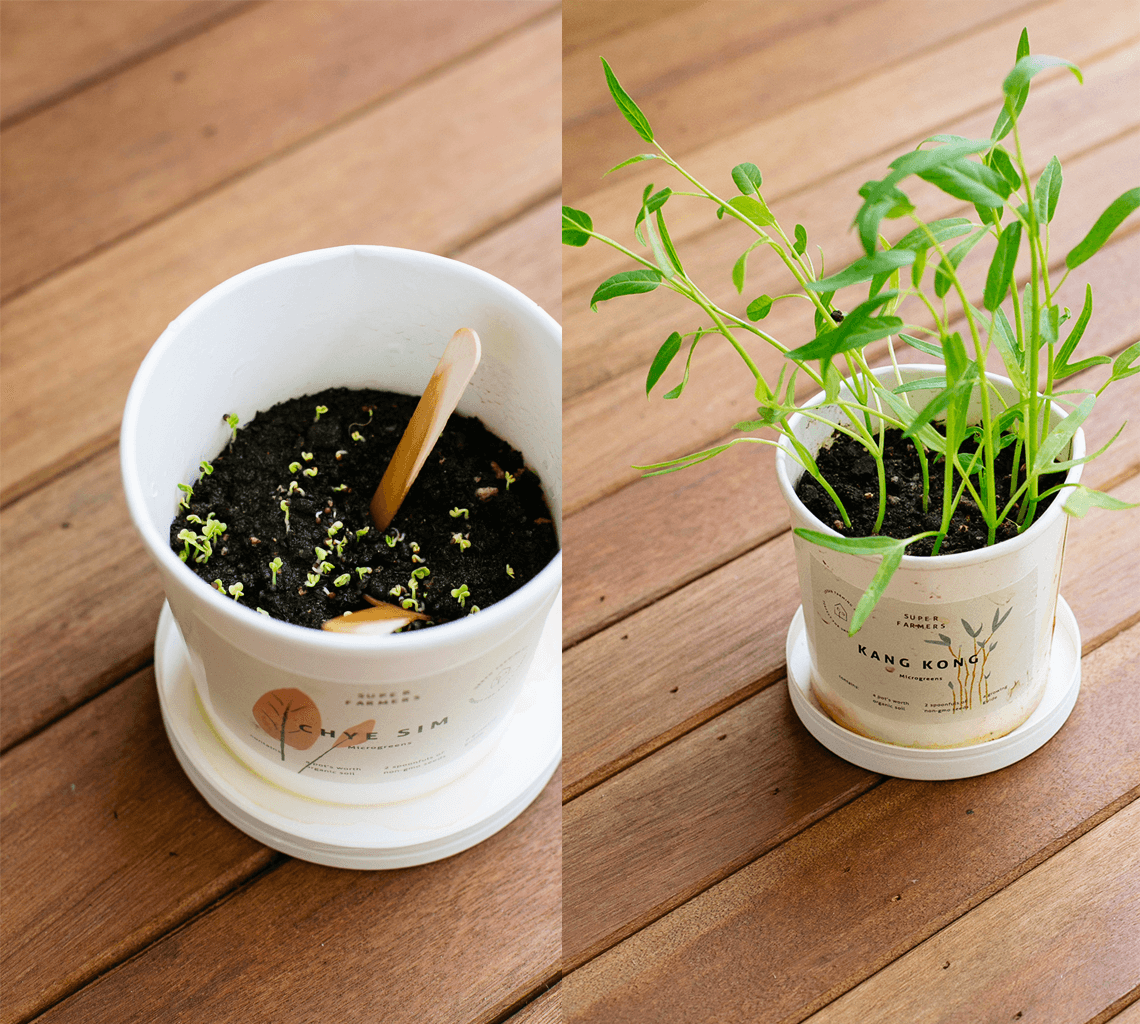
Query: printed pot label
x=919 y=663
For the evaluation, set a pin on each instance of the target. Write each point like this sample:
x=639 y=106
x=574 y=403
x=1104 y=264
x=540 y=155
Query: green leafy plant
x=232 y=422
x=918 y=274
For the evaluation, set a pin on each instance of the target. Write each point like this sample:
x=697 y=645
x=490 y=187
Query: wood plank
x=587 y=23
x=48 y=50
x=73 y=344
x=1055 y=124
x=616 y=564
x=690 y=815
x=1131 y=1012
x=546 y=1009
x=462 y=940
x=614 y=427
x=680 y=666
x=822 y=912
x=124 y=152
x=61 y=645
x=1080 y=909
x=905 y=102
x=106 y=847
x=521 y=253
x=710 y=73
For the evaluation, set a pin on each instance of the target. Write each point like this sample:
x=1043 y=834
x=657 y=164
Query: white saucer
x=1061 y=690
x=450 y=819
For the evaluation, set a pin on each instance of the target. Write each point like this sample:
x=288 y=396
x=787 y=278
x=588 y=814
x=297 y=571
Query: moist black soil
x=846 y=465
x=326 y=469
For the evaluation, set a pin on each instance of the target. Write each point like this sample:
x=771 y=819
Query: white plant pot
x=356 y=316
x=897 y=680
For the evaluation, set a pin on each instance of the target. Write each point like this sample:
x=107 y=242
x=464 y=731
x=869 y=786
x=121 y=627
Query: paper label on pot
x=919 y=662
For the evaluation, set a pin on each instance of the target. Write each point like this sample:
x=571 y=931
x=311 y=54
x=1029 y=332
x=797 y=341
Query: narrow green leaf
x=759 y=308
x=943 y=400
x=1123 y=365
x=1082 y=499
x=1004 y=122
x=632 y=160
x=630 y=110
x=922 y=346
x=738 y=269
x=1106 y=224
x=679 y=389
x=942 y=230
x=756 y=210
x=1061 y=434
x=858 y=328
x=881 y=199
x=851 y=545
x=1061 y=366
x=575 y=225
x=747 y=178
x=1047 y=191
x=660 y=256
x=865 y=268
x=662 y=360
x=1002 y=265
x=919 y=268
x=1011 y=355
x=1029 y=66
x=628 y=282
x=667 y=242
x=800 y=244
x=1000 y=160
x=961 y=181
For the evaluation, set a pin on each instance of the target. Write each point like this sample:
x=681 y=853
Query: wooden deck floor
x=708 y=861
x=719 y=864
x=152 y=150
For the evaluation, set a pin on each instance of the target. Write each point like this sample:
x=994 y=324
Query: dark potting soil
x=327 y=470
x=846 y=465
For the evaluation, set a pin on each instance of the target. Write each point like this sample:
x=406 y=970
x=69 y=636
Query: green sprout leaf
x=759 y=308
x=662 y=360
x=576 y=228
x=1061 y=366
x=756 y=210
x=628 y=282
x=747 y=178
x=800 y=244
x=1047 y=192
x=1106 y=224
x=1028 y=67
x=461 y=593
x=342 y=580
x=1000 y=274
x=891 y=552
x=232 y=422
x=1061 y=434
x=1081 y=500
x=864 y=268
x=1004 y=123
x=321 y=410
x=632 y=160
x=630 y=110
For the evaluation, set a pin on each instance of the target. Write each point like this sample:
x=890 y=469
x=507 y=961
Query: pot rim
x=457 y=632
x=934 y=563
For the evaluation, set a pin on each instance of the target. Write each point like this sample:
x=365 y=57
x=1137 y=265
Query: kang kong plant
x=920 y=271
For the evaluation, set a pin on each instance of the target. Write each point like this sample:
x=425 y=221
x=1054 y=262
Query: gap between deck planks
x=50 y=51
x=819 y=913
x=98 y=318
x=122 y=154
x=59 y=647
x=673 y=680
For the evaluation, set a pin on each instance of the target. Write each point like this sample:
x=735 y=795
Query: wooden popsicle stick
x=380 y=618
x=441 y=396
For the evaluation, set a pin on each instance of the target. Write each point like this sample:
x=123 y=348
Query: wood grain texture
x=106 y=847
x=673 y=679
x=584 y=24
x=60 y=645
x=690 y=815
x=818 y=915
x=477 y=932
x=51 y=49
x=706 y=74
x=546 y=1009
x=73 y=344
x=905 y=101
x=1081 y=908
x=617 y=565
x=99 y=164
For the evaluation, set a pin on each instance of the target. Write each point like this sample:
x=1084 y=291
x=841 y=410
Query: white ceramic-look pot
x=355 y=316
x=957 y=650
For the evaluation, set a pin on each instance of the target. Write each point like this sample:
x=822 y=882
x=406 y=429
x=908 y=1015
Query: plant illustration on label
x=972 y=667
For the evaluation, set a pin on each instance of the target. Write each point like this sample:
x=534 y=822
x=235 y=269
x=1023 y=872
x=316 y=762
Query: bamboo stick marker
x=441 y=396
